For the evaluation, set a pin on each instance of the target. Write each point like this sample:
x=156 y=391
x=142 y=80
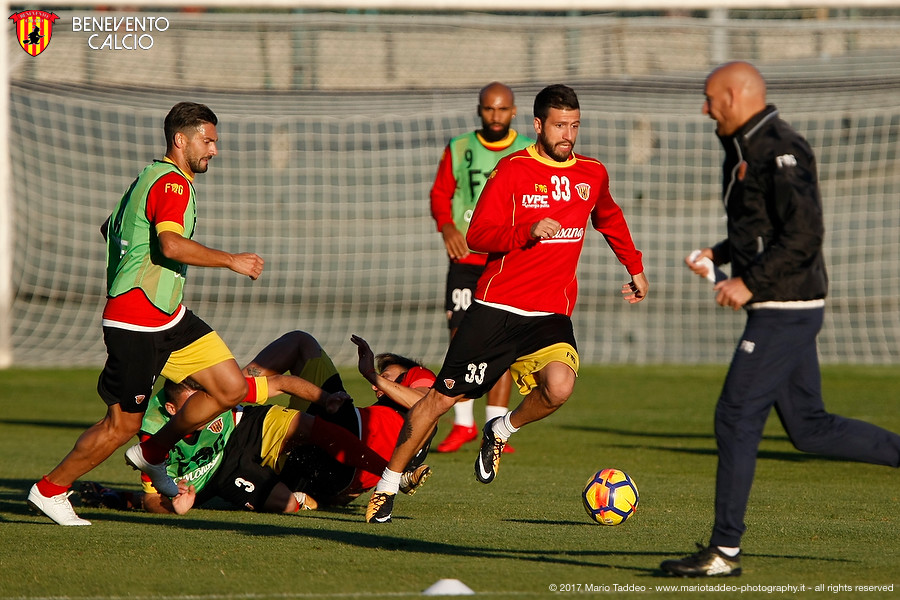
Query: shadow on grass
x=786 y=456
x=655 y=434
x=79 y=425
x=14 y=509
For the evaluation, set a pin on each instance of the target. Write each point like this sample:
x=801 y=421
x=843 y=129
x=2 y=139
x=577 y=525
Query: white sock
x=492 y=412
x=729 y=551
x=464 y=413
x=389 y=482
x=502 y=427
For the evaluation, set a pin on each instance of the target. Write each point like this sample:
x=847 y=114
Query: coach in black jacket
x=774 y=245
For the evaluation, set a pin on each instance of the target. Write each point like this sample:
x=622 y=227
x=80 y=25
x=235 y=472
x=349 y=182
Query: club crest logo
x=33 y=30
x=217 y=426
x=449 y=383
x=584 y=190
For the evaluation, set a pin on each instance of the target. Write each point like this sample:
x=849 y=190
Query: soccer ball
x=610 y=497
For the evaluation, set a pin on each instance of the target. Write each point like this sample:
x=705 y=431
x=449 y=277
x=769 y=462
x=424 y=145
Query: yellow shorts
x=525 y=367
x=274 y=432
x=206 y=352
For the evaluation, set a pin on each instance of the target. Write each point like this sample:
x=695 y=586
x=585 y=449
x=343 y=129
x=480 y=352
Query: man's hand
x=184 y=501
x=247 y=263
x=366 y=358
x=454 y=241
x=695 y=261
x=732 y=293
x=636 y=290
x=545 y=229
x=333 y=402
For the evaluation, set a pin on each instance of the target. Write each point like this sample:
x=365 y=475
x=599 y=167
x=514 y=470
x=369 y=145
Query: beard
x=493 y=135
x=197 y=165
x=554 y=152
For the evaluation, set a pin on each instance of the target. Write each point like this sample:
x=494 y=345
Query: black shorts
x=241 y=479
x=311 y=469
x=491 y=340
x=134 y=359
x=461 y=283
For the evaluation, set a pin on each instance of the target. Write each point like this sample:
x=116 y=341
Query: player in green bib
x=147 y=330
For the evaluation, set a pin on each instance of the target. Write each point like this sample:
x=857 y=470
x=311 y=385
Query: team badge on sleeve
x=33 y=30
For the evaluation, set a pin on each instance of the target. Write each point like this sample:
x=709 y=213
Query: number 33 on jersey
x=523 y=189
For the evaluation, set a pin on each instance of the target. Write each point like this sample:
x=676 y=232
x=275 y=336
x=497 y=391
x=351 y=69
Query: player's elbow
x=169 y=244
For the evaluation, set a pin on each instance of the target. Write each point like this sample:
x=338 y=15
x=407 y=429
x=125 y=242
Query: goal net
x=331 y=127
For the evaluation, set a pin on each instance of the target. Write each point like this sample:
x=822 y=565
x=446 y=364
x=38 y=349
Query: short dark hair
x=558 y=96
x=172 y=390
x=387 y=359
x=187 y=115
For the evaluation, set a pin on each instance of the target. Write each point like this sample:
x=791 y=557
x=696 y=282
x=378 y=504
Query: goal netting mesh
x=331 y=126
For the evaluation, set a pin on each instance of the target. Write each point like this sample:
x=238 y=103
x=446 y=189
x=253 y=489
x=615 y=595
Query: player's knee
x=121 y=427
x=556 y=396
x=556 y=390
x=434 y=405
x=303 y=341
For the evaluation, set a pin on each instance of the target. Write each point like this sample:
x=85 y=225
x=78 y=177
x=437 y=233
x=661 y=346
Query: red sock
x=154 y=453
x=48 y=489
x=345 y=447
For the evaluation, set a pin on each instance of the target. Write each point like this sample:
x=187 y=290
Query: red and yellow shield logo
x=33 y=29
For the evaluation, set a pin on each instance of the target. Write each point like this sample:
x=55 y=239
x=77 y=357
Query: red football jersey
x=539 y=275
x=381 y=426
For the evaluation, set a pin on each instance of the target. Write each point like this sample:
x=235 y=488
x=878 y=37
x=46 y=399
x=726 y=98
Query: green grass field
x=811 y=522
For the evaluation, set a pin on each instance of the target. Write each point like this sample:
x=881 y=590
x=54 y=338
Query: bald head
x=496 y=107
x=734 y=93
x=493 y=89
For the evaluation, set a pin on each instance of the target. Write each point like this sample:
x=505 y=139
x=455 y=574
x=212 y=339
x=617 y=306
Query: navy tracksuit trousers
x=776 y=364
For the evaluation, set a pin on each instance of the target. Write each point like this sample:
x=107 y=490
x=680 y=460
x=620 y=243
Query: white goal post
x=332 y=121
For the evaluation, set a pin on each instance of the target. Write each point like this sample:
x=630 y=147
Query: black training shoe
x=411 y=480
x=488 y=461
x=380 y=507
x=94 y=495
x=708 y=562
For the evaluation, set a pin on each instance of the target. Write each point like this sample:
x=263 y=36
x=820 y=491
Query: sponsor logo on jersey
x=584 y=190
x=535 y=201
x=567 y=235
x=200 y=472
x=33 y=30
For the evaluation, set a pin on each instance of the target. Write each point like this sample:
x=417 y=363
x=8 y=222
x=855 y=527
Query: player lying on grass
x=271 y=458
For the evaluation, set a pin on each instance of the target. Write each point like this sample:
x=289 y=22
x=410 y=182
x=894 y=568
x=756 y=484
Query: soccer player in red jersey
x=462 y=172
x=530 y=220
